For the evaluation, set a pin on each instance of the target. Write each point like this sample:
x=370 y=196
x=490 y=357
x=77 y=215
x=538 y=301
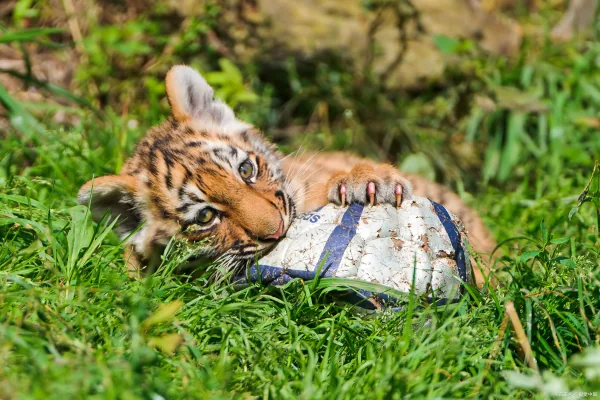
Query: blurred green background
x=472 y=94
x=384 y=77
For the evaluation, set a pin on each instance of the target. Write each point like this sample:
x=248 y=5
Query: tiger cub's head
x=202 y=174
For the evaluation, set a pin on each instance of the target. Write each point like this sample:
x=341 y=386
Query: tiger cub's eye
x=246 y=170
x=206 y=215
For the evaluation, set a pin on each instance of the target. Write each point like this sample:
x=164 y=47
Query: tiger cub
x=205 y=174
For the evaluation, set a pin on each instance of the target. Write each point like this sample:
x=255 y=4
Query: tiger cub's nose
x=277 y=234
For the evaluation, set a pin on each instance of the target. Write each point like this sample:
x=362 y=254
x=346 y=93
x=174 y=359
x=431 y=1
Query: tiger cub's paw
x=368 y=184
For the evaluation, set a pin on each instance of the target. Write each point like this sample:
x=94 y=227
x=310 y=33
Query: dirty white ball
x=419 y=242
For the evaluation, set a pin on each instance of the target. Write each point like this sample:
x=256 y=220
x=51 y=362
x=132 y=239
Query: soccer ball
x=418 y=247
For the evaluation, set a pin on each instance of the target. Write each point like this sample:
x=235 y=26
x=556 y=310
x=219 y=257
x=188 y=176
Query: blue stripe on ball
x=331 y=256
x=333 y=253
x=455 y=239
x=338 y=241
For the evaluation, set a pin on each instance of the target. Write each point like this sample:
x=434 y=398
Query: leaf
x=573 y=211
x=492 y=158
x=247 y=97
x=528 y=255
x=79 y=237
x=27 y=35
x=346 y=283
x=26 y=223
x=473 y=124
x=519 y=380
x=568 y=263
x=418 y=164
x=588 y=122
x=20 y=119
x=167 y=343
x=591 y=91
x=229 y=84
x=54 y=89
x=231 y=70
x=583 y=197
x=26 y=201
x=526 y=75
x=474 y=292
x=544 y=230
x=97 y=242
x=164 y=313
x=446 y=44
x=589 y=360
x=511 y=98
x=512 y=147
x=561 y=240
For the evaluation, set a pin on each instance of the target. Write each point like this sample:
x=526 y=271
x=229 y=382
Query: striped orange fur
x=205 y=175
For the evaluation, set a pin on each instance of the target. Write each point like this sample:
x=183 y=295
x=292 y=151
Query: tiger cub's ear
x=192 y=98
x=117 y=194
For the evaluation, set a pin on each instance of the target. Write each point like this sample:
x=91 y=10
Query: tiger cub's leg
x=368 y=183
x=336 y=177
x=342 y=177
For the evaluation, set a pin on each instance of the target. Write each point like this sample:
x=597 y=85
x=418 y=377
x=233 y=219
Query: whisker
x=306 y=164
x=295 y=153
x=242 y=247
x=300 y=152
x=294 y=165
x=299 y=171
x=306 y=188
x=307 y=178
x=289 y=155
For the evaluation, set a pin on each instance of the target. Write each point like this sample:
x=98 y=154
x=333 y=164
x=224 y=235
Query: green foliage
x=229 y=85
x=73 y=324
x=26 y=35
x=535 y=108
x=449 y=45
x=20 y=117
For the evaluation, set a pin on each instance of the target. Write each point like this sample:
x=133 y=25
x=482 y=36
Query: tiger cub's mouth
x=265 y=245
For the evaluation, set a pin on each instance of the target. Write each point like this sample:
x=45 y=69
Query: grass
x=73 y=324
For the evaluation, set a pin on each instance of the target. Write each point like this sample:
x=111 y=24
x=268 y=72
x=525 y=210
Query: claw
x=343 y=194
x=371 y=193
x=398 y=192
